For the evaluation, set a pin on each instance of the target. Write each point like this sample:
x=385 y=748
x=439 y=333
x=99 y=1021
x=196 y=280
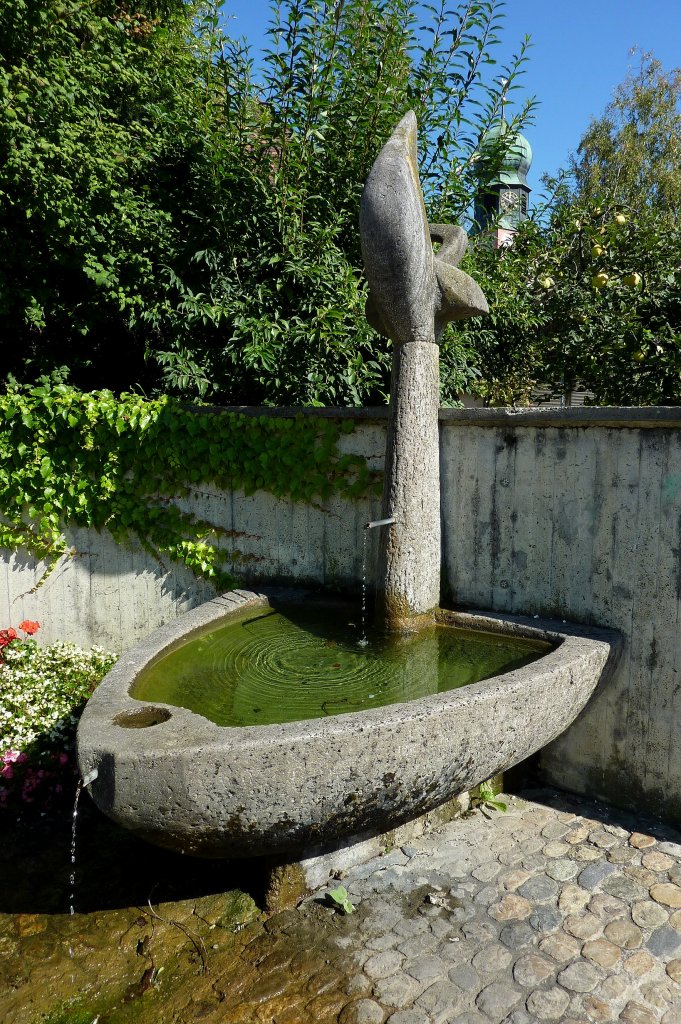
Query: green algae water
x=294 y=663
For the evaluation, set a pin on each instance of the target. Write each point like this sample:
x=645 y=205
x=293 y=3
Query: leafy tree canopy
x=171 y=219
x=632 y=153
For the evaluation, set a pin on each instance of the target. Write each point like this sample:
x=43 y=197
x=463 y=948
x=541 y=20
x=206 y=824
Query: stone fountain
x=183 y=781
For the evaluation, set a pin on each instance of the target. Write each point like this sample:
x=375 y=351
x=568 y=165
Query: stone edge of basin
x=192 y=785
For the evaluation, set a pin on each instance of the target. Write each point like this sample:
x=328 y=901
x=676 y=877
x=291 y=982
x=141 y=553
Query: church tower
x=503 y=202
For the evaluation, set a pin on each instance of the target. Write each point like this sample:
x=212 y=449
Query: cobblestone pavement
x=556 y=910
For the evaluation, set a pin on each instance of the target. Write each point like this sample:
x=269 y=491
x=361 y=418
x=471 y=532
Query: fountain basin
x=181 y=781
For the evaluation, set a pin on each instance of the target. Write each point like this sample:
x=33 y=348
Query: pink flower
x=7 y=771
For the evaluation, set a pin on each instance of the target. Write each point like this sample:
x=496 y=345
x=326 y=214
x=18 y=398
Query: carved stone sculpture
x=413 y=294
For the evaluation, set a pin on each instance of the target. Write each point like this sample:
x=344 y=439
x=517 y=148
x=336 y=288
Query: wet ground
x=555 y=910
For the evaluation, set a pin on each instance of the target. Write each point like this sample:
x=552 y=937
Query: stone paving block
x=638 y=1013
x=580 y=977
x=470 y=1017
x=583 y=926
x=362 y=1011
x=479 y=931
x=382 y=942
x=518 y=935
x=511 y=907
x=465 y=977
x=623 y=888
x=666 y=893
x=656 y=861
x=594 y=875
x=410 y=926
x=573 y=898
x=660 y=993
x=624 y=934
x=492 y=959
x=614 y=988
x=672 y=1016
x=664 y=942
x=532 y=969
x=555 y=829
x=562 y=869
x=486 y=872
x=358 y=985
x=382 y=965
x=398 y=991
x=406 y=1017
x=512 y=879
x=649 y=914
x=497 y=999
x=606 y=907
x=673 y=969
x=624 y=855
x=584 y=854
x=639 y=963
x=642 y=875
x=545 y=919
x=556 y=848
x=539 y=889
x=597 y=1009
x=417 y=945
x=548 y=1004
x=440 y=999
x=602 y=952
x=641 y=841
x=426 y=968
x=602 y=839
x=486 y=896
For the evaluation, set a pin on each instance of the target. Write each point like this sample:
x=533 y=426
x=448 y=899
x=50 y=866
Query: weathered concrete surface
x=183 y=782
x=578 y=515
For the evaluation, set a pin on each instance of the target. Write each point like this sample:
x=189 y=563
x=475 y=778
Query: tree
x=589 y=295
x=632 y=153
x=170 y=219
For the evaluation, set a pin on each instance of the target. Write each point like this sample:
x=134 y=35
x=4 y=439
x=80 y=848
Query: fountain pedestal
x=413 y=294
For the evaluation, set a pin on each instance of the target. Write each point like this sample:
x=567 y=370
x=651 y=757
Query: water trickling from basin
x=74 y=829
x=362 y=642
x=299 y=662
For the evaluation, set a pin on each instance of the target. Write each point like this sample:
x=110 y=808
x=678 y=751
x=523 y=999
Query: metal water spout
x=380 y=522
x=413 y=294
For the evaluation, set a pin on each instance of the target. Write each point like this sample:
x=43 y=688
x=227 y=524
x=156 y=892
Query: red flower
x=6 y=636
x=29 y=627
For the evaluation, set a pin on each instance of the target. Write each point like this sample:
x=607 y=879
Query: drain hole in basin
x=142 y=719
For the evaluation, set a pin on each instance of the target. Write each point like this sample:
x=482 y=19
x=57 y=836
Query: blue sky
x=580 y=53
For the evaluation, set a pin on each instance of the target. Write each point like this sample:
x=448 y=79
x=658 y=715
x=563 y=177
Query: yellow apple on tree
x=632 y=280
x=600 y=280
x=546 y=282
x=597 y=250
x=620 y=219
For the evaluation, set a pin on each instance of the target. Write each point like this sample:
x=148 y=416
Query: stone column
x=409 y=550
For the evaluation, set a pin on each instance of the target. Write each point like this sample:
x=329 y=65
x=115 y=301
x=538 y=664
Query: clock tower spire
x=502 y=204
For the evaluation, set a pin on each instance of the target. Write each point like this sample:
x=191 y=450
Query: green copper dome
x=518 y=158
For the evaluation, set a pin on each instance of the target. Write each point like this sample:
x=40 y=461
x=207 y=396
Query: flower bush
x=42 y=692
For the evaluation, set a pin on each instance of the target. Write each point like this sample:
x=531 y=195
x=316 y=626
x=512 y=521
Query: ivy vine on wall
x=92 y=459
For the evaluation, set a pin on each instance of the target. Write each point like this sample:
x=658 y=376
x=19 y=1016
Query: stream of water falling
x=362 y=642
x=74 y=826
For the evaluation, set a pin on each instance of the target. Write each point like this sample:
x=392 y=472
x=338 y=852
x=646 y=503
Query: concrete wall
x=577 y=514
x=112 y=595
x=571 y=513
